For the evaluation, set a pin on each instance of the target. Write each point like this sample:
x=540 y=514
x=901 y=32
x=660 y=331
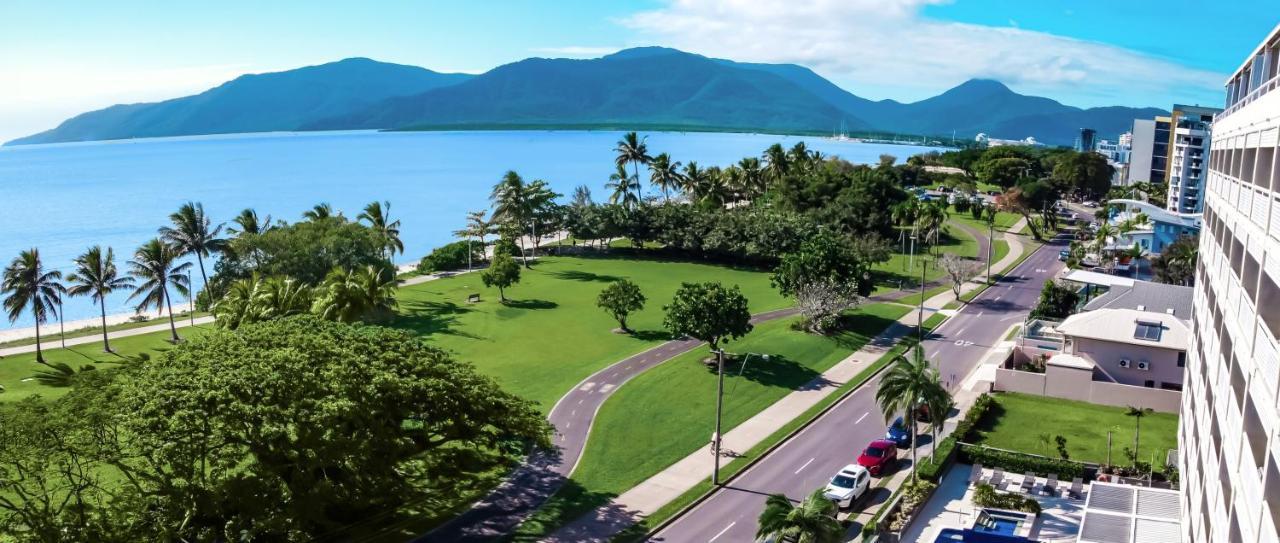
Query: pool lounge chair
x=975 y=476
x=1077 y=489
x=997 y=478
x=1028 y=482
x=1051 y=486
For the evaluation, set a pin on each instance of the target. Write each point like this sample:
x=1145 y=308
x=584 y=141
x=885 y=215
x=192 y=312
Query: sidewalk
x=55 y=343
x=653 y=493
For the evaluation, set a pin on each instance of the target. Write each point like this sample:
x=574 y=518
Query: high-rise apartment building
x=1189 y=139
x=1087 y=140
x=1229 y=452
x=1149 y=152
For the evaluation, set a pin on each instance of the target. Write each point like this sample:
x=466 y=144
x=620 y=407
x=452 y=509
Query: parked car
x=849 y=484
x=1064 y=255
x=1090 y=203
x=944 y=189
x=899 y=434
x=879 y=457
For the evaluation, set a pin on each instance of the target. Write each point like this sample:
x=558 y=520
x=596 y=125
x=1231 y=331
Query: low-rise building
x=1128 y=346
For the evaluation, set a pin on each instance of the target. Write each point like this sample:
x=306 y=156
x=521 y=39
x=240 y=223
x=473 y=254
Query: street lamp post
x=715 y=438
x=920 y=311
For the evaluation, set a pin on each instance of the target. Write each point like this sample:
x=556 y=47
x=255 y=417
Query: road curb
x=759 y=458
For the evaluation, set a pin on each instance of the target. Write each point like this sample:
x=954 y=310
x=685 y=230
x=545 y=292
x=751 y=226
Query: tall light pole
x=715 y=438
x=62 y=327
x=191 y=300
x=920 y=311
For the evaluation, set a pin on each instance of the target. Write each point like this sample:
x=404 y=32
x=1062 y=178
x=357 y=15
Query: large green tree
x=619 y=299
x=305 y=251
x=501 y=273
x=633 y=150
x=1088 y=175
x=1057 y=301
x=31 y=288
x=826 y=275
x=708 y=312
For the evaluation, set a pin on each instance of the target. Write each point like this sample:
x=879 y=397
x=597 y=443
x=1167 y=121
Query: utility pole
x=715 y=443
x=920 y=312
x=191 y=301
x=62 y=327
x=991 y=243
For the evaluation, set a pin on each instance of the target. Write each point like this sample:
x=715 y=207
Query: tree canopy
x=708 y=312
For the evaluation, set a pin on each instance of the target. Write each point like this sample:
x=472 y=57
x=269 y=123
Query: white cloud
x=576 y=51
x=886 y=48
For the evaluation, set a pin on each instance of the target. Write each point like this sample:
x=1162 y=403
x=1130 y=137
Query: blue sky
x=61 y=58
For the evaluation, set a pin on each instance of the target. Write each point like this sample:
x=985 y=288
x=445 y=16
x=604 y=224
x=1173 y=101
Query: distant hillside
x=255 y=103
x=641 y=87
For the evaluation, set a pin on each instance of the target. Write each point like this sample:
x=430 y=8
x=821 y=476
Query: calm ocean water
x=63 y=198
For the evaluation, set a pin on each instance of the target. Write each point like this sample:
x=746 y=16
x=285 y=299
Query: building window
x=1182 y=359
x=1269 y=304
x=1171 y=386
x=1148 y=330
x=1149 y=383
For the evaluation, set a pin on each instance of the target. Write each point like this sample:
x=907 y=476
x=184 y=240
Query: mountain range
x=633 y=88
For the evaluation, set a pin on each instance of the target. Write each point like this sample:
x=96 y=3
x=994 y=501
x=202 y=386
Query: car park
x=849 y=484
x=879 y=457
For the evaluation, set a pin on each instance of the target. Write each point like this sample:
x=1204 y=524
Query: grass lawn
x=1018 y=422
x=1004 y=219
x=893 y=272
x=550 y=335
x=16 y=370
x=49 y=332
x=667 y=413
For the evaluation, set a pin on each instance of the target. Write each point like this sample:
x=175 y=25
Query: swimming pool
x=995 y=523
x=955 y=535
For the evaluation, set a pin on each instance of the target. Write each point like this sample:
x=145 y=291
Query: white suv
x=848 y=485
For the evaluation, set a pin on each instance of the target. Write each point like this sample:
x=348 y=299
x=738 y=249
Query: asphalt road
x=808 y=460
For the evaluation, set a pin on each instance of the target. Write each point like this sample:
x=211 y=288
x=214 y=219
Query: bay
x=63 y=198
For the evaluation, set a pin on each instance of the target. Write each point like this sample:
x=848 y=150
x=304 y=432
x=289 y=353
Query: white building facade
x=1190 y=133
x=1229 y=453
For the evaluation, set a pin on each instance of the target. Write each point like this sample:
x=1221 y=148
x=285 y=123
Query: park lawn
x=1018 y=421
x=893 y=272
x=550 y=335
x=666 y=413
x=16 y=370
x=49 y=332
x=1004 y=219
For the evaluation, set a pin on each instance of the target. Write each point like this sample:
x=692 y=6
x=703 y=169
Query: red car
x=879 y=457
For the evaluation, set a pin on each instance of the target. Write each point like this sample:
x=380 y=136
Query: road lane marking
x=582 y=400
x=726 y=528
x=574 y=413
x=998 y=297
x=980 y=313
x=806 y=464
x=606 y=388
x=864 y=415
x=587 y=387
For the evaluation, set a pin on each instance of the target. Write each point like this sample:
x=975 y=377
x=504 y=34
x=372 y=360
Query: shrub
x=986 y=496
x=1016 y=462
x=449 y=257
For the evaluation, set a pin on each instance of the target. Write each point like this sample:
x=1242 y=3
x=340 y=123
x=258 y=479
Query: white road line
x=582 y=400
x=998 y=298
x=980 y=313
x=864 y=415
x=574 y=413
x=961 y=332
x=567 y=425
x=806 y=464
x=726 y=528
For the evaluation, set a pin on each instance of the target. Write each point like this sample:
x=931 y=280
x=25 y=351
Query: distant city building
x=1189 y=147
x=983 y=139
x=1126 y=139
x=1087 y=140
x=1149 y=150
x=1117 y=154
x=1229 y=452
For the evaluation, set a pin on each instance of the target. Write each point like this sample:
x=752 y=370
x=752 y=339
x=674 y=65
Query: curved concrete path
x=545 y=471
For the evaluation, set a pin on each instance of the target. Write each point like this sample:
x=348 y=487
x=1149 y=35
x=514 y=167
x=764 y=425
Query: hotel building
x=1229 y=453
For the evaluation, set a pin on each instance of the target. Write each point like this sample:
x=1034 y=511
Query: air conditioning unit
x=1144 y=365
x=1125 y=362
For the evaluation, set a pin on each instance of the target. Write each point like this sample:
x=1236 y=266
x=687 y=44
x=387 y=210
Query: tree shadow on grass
x=777 y=371
x=427 y=318
x=578 y=275
x=531 y=304
x=651 y=335
x=987 y=424
x=576 y=513
x=856 y=330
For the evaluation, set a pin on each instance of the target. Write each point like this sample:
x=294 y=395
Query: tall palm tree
x=813 y=521
x=754 y=182
x=155 y=265
x=625 y=188
x=96 y=276
x=692 y=178
x=27 y=286
x=248 y=224
x=939 y=403
x=904 y=213
x=908 y=382
x=665 y=174
x=377 y=214
x=192 y=233
x=632 y=149
x=510 y=199
x=932 y=216
x=318 y=212
x=362 y=294
x=1102 y=237
x=776 y=162
x=799 y=155
x=280 y=297
x=1137 y=413
x=477 y=227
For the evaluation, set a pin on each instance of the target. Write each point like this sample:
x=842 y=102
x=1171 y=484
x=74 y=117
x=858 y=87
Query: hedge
x=932 y=469
x=1016 y=462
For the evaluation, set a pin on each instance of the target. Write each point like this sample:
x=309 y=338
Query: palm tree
x=363 y=294
x=1137 y=413
x=909 y=382
x=247 y=224
x=939 y=403
x=154 y=265
x=237 y=306
x=27 y=286
x=1137 y=253
x=192 y=234
x=753 y=177
x=318 y=212
x=813 y=521
x=799 y=155
x=96 y=276
x=280 y=297
x=377 y=214
x=692 y=178
x=632 y=149
x=664 y=174
x=476 y=227
x=622 y=184
x=904 y=213
x=510 y=198
x=1102 y=237
x=776 y=162
x=932 y=216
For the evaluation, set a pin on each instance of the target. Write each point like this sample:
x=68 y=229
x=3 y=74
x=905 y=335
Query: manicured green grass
x=16 y=371
x=666 y=413
x=893 y=272
x=1004 y=220
x=550 y=335
x=1018 y=422
x=49 y=332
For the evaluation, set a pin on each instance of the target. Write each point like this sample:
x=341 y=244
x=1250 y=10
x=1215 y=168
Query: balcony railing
x=1263 y=88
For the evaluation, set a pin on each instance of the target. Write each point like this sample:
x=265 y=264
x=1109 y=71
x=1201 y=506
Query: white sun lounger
x=1028 y=482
